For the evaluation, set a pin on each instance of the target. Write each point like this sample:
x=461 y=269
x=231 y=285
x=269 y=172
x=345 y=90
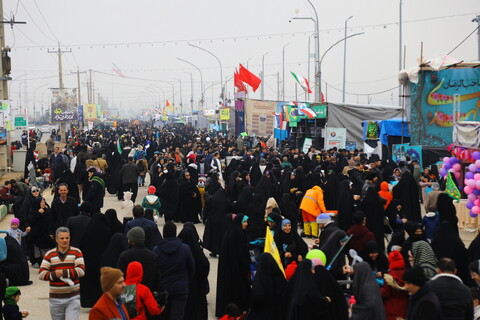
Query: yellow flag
x=271 y=248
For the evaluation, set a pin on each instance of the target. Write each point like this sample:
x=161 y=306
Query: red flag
x=238 y=83
x=249 y=78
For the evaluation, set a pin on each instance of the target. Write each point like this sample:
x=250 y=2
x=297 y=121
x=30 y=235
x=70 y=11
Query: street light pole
x=262 y=91
x=283 y=71
x=191 y=89
x=345 y=59
x=333 y=45
x=221 y=69
x=201 y=78
x=163 y=92
x=181 y=101
x=318 y=83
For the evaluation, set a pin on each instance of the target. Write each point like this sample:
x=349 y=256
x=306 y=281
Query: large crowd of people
x=357 y=237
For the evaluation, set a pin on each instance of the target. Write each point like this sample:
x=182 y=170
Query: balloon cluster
x=452 y=165
x=472 y=185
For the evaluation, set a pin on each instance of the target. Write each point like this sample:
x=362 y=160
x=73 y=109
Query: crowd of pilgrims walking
x=318 y=206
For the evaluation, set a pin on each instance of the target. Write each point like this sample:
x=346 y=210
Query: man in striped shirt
x=63 y=267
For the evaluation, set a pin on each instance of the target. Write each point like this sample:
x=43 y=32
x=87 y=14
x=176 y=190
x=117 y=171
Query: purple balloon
x=454 y=160
x=460 y=188
x=443 y=172
x=470 y=205
x=473 y=215
x=472 y=167
x=471 y=197
x=476 y=192
x=448 y=166
x=469 y=175
x=476 y=155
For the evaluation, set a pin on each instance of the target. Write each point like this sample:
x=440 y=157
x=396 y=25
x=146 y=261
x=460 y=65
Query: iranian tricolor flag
x=303 y=82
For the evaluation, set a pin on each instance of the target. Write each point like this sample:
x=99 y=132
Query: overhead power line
x=245 y=37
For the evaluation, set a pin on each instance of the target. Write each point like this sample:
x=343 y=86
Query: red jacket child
x=145 y=299
x=394 y=294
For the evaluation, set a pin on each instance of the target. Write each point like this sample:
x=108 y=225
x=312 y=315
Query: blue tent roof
x=390 y=127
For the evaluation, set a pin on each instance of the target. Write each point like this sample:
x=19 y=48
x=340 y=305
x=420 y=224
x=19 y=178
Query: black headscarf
x=337 y=309
x=367 y=293
x=407 y=192
x=378 y=265
x=115 y=225
x=256 y=221
x=288 y=209
x=269 y=290
x=372 y=205
x=446 y=209
x=331 y=247
x=118 y=243
x=305 y=300
x=345 y=205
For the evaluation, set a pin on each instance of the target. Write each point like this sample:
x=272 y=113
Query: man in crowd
x=176 y=271
x=455 y=299
x=138 y=252
x=63 y=208
x=63 y=267
x=129 y=174
x=110 y=306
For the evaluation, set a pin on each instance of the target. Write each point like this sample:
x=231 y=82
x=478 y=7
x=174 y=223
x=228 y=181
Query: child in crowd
x=151 y=201
x=127 y=204
x=15 y=232
x=232 y=312
x=10 y=310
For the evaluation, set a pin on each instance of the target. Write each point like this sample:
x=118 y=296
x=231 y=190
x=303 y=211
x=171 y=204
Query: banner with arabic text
x=64 y=105
x=433 y=100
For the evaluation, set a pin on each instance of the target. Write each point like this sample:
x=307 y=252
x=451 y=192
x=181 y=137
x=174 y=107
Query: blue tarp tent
x=390 y=127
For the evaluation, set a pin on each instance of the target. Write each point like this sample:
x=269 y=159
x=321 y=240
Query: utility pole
x=59 y=53
x=477 y=20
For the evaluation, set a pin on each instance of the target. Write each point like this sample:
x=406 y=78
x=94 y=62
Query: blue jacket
x=430 y=225
x=176 y=266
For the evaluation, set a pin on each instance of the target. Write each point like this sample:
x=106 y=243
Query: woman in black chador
x=198 y=287
x=233 y=278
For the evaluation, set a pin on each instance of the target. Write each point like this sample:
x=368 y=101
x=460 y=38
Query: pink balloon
x=446 y=160
x=472 y=167
x=478 y=184
x=476 y=209
x=476 y=176
x=477 y=163
x=471 y=183
x=471 y=197
x=457 y=167
x=477 y=202
x=457 y=175
x=467 y=190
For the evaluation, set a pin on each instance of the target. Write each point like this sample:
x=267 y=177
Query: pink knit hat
x=16 y=221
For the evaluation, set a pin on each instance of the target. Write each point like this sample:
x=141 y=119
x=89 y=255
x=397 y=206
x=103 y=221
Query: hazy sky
x=144 y=37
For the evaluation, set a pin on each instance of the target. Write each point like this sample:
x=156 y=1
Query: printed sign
x=336 y=137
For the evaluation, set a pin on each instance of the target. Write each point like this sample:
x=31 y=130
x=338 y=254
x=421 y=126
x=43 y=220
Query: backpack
x=141 y=166
x=129 y=298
